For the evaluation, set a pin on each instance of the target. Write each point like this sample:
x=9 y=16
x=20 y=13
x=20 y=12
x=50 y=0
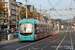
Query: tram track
x=16 y=45
x=11 y=45
x=73 y=40
x=44 y=42
x=8 y=44
x=40 y=43
x=61 y=42
x=58 y=40
x=53 y=42
x=67 y=43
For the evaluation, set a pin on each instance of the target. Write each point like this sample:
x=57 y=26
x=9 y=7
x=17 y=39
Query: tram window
x=48 y=27
x=26 y=28
x=37 y=28
x=40 y=28
x=43 y=27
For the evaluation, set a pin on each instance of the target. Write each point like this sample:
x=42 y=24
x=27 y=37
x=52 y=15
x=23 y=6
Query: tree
x=65 y=23
x=23 y=13
x=70 y=23
x=1 y=7
x=30 y=14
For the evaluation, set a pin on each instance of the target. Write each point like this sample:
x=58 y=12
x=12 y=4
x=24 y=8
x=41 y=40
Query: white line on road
x=26 y=45
x=34 y=48
x=71 y=41
x=30 y=44
x=61 y=41
x=43 y=42
x=48 y=44
x=74 y=33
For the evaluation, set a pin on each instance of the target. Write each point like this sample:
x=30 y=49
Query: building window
x=6 y=10
x=6 y=15
x=0 y=0
x=6 y=4
x=3 y=0
x=6 y=0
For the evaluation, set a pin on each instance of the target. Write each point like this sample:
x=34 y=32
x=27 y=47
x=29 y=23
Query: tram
x=31 y=29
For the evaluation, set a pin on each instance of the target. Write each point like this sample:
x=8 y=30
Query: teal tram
x=31 y=29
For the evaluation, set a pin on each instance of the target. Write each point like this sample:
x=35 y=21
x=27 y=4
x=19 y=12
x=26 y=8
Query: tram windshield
x=26 y=28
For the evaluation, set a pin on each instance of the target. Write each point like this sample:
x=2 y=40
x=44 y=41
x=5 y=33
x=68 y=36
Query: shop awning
x=6 y=24
x=0 y=23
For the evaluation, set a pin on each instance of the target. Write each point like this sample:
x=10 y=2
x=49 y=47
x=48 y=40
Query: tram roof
x=38 y=21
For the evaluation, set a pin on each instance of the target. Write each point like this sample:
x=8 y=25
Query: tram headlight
x=32 y=36
x=19 y=36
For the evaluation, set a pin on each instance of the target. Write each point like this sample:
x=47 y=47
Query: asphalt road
x=64 y=40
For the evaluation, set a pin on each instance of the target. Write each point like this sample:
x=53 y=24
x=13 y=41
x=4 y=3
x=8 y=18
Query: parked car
x=16 y=33
x=7 y=30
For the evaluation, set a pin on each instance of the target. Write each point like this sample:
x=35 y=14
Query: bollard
x=10 y=36
x=0 y=37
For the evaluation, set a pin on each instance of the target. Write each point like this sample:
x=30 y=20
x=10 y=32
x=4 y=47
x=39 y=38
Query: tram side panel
x=42 y=31
x=55 y=32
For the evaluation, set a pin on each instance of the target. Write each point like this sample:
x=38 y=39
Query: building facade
x=30 y=8
x=8 y=18
x=17 y=15
x=45 y=17
x=19 y=7
x=74 y=21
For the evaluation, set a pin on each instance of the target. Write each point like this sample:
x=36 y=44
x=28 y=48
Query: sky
x=56 y=4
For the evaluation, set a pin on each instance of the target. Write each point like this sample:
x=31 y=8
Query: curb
x=8 y=41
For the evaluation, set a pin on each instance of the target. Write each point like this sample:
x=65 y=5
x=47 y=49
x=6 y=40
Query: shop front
x=4 y=25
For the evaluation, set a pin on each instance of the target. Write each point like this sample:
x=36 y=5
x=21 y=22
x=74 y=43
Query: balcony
x=13 y=9
x=13 y=14
x=4 y=17
x=13 y=4
x=4 y=1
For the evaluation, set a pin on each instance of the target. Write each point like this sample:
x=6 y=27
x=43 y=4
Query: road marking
x=61 y=41
x=67 y=46
x=74 y=33
x=34 y=48
x=71 y=41
x=31 y=44
x=9 y=45
x=43 y=42
x=49 y=43
x=28 y=45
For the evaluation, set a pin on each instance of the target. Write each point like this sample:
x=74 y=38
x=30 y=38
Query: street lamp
x=26 y=10
x=37 y=17
x=68 y=23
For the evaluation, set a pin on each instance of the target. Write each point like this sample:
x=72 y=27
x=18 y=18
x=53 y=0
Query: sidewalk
x=8 y=41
